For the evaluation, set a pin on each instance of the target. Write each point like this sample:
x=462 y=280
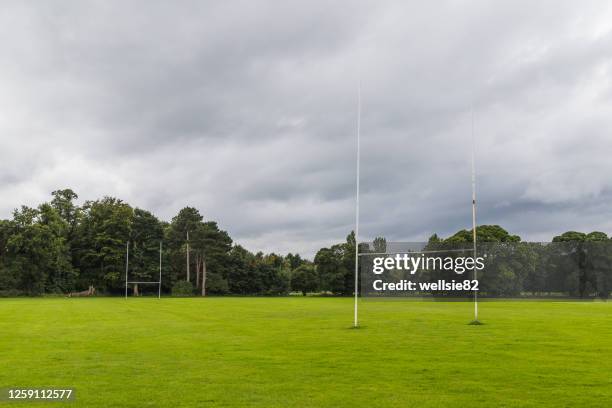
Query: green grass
x=301 y=352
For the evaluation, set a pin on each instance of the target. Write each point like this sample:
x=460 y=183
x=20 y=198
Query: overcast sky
x=247 y=110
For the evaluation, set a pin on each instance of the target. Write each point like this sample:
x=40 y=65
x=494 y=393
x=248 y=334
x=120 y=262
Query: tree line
x=574 y=264
x=60 y=247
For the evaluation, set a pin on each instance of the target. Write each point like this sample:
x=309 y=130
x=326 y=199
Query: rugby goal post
x=127 y=268
x=357 y=188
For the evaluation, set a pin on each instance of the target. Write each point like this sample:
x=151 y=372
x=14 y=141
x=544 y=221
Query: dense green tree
x=187 y=222
x=37 y=257
x=270 y=272
x=434 y=239
x=484 y=233
x=597 y=236
x=305 y=279
x=209 y=252
x=61 y=273
x=584 y=261
x=27 y=255
x=330 y=268
x=294 y=261
x=336 y=266
x=8 y=280
x=211 y=247
x=102 y=236
x=257 y=273
x=509 y=266
x=241 y=279
x=68 y=211
x=380 y=245
x=570 y=236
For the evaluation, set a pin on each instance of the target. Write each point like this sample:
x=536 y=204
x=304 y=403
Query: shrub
x=182 y=288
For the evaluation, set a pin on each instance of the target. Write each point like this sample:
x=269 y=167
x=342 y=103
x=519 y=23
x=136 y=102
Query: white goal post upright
x=474 y=215
x=127 y=265
x=356 y=319
x=160 y=270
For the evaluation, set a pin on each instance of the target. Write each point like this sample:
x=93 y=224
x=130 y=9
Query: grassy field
x=300 y=352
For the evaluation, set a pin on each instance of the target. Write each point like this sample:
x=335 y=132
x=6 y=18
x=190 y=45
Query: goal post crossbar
x=416 y=252
x=157 y=283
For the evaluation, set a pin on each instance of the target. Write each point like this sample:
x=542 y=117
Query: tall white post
x=356 y=321
x=160 y=270
x=187 y=256
x=474 y=216
x=127 y=264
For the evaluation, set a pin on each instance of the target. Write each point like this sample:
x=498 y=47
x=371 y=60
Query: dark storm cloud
x=247 y=110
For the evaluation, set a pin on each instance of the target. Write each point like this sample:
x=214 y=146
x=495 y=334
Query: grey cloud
x=247 y=110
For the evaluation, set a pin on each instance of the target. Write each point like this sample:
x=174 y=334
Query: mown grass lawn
x=300 y=352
